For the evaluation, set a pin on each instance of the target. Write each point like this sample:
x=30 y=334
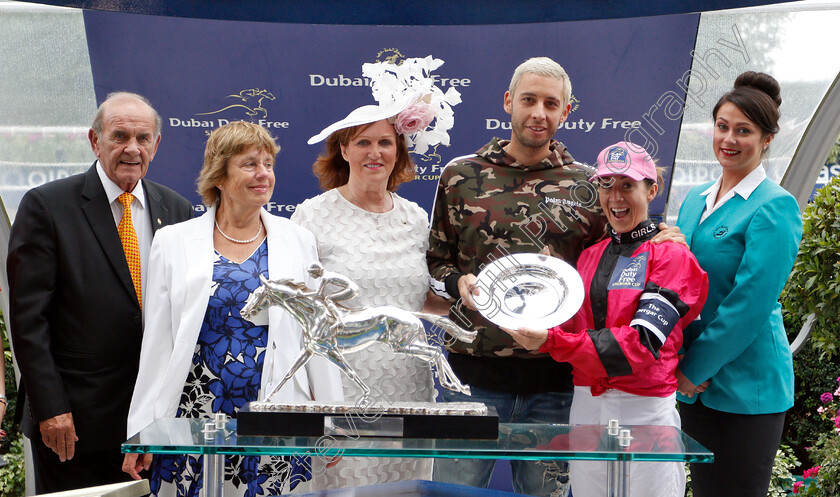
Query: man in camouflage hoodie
x=512 y=197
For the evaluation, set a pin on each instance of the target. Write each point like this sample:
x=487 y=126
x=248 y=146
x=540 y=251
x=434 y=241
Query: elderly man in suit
x=77 y=259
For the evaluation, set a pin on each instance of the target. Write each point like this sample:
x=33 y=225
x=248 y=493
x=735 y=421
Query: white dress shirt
x=744 y=188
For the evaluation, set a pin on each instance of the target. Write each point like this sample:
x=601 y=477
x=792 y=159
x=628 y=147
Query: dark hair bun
x=761 y=82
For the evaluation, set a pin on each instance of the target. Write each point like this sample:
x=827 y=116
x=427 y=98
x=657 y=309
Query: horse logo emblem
x=574 y=102
x=390 y=55
x=431 y=155
x=250 y=100
x=629 y=272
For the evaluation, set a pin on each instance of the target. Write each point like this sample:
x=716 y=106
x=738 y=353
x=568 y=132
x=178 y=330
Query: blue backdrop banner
x=629 y=80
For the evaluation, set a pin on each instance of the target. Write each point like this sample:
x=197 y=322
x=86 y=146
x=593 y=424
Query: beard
x=520 y=132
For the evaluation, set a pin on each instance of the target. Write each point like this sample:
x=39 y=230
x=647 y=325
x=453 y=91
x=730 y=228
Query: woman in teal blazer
x=736 y=378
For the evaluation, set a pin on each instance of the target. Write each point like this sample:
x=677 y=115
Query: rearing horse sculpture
x=357 y=329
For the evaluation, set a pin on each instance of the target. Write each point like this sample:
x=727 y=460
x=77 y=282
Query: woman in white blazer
x=199 y=356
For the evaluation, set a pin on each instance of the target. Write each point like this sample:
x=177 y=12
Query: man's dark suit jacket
x=76 y=322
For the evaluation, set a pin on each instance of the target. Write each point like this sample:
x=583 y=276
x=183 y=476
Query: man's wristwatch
x=3 y=398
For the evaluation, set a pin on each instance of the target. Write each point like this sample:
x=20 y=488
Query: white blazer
x=177 y=293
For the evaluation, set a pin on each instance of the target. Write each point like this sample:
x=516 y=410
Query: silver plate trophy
x=332 y=329
x=528 y=291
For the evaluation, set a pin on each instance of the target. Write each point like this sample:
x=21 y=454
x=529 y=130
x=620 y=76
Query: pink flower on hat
x=416 y=117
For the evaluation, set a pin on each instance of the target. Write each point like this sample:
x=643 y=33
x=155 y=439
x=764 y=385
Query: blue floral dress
x=226 y=374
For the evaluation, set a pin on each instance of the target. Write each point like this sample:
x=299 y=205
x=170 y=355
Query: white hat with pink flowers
x=407 y=96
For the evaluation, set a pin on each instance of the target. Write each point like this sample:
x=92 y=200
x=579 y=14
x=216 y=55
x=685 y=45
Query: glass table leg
x=214 y=475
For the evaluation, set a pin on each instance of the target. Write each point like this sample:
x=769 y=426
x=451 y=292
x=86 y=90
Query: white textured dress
x=385 y=254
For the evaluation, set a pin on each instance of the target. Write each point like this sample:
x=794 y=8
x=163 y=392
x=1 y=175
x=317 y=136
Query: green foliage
x=813 y=286
x=689 y=492
x=11 y=390
x=812 y=378
x=827 y=479
x=12 y=476
x=825 y=452
x=781 y=479
x=834 y=155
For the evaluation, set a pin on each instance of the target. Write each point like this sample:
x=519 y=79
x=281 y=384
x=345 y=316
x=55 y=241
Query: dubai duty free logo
x=250 y=101
x=246 y=105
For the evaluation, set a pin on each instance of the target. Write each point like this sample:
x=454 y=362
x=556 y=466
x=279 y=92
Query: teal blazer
x=748 y=248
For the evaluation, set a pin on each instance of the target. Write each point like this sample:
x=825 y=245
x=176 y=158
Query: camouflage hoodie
x=488 y=206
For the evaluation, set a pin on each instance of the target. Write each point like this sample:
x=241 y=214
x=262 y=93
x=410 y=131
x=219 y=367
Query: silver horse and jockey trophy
x=332 y=329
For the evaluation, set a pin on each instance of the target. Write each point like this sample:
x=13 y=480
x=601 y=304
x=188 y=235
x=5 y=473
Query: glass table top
x=516 y=441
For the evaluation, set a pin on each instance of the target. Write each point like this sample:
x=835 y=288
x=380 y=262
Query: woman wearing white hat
x=623 y=342
x=366 y=231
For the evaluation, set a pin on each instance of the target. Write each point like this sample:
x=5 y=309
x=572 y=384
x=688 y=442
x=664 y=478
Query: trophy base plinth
x=456 y=420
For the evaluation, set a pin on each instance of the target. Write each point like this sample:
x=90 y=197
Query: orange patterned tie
x=128 y=237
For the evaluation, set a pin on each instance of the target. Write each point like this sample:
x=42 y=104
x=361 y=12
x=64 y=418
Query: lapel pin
x=158 y=220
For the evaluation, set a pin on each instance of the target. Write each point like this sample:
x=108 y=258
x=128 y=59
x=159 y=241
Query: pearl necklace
x=234 y=240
